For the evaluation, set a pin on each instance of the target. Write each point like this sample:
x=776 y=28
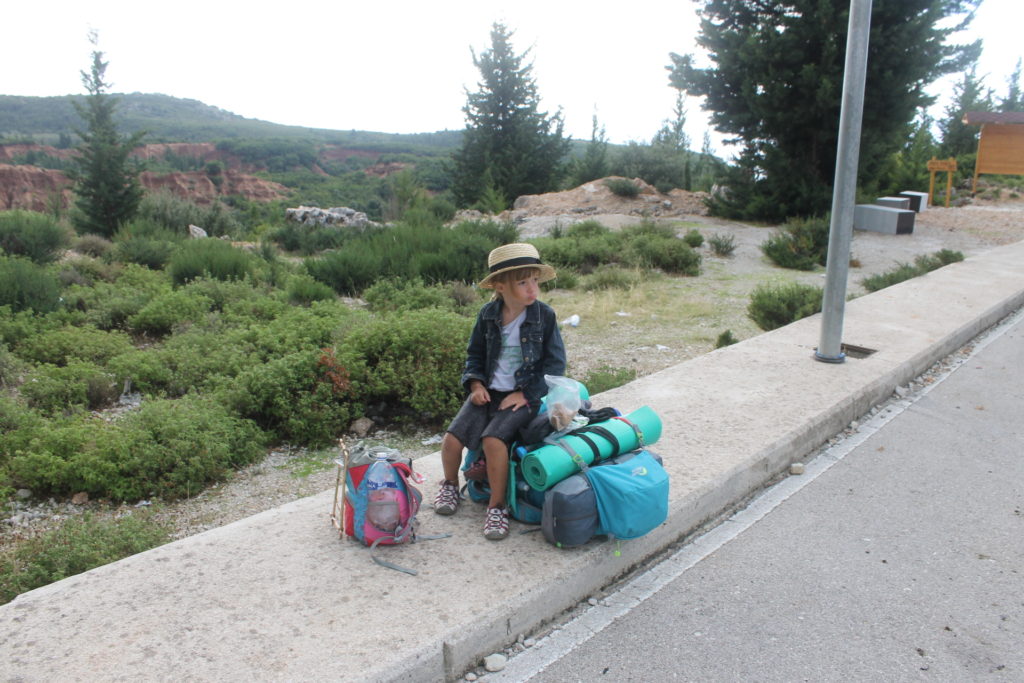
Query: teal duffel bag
x=637 y=502
x=632 y=496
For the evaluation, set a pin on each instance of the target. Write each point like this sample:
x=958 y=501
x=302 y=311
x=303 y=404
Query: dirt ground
x=667 y=322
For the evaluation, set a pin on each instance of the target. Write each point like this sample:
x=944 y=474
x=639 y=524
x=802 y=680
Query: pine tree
x=594 y=163
x=1014 y=100
x=509 y=147
x=107 y=187
x=968 y=95
x=775 y=87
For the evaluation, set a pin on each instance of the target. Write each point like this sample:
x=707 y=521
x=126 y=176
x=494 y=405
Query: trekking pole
x=342 y=482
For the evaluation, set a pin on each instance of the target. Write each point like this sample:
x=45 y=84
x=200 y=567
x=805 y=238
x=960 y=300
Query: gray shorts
x=473 y=422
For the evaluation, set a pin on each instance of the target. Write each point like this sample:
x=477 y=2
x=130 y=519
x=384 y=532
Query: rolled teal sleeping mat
x=550 y=464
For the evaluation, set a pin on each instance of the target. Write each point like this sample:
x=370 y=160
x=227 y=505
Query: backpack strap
x=636 y=430
x=576 y=457
x=408 y=532
x=600 y=431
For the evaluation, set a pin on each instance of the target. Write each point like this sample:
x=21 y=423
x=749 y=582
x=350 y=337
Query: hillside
x=173 y=119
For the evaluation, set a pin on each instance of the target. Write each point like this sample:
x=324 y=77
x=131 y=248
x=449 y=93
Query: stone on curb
x=470 y=676
x=796 y=468
x=495 y=662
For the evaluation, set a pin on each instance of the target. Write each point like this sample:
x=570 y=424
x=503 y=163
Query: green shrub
x=443 y=208
x=694 y=238
x=622 y=187
x=727 y=338
x=309 y=240
x=588 y=228
x=610 y=277
x=904 y=271
x=78 y=545
x=313 y=327
x=109 y=305
x=302 y=290
x=25 y=286
x=568 y=278
x=305 y=398
x=167 y=448
x=582 y=251
x=62 y=345
x=210 y=258
x=607 y=377
x=409 y=363
x=801 y=244
x=151 y=253
x=775 y=306
x=176 y=214
x=166 y=311
x=419 y=247
x=11 y=367
x=52 y=390
x=93 y=245
x=393 y=294
x=36 y=236
x=669 y=254
x=722 y=245
x=86 y=270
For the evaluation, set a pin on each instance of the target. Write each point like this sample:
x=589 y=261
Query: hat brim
x=546 y=273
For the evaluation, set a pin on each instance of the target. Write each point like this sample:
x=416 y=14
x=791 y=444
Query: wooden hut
x=1001 y=144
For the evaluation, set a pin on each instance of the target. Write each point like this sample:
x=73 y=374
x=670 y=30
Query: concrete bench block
x=918 y=200
x=877 y=218
x=894 y=202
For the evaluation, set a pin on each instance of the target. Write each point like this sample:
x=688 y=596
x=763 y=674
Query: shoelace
x=447 y=495
x=496 y=519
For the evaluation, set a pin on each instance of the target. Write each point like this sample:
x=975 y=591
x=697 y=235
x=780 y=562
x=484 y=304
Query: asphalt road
x=901 y=559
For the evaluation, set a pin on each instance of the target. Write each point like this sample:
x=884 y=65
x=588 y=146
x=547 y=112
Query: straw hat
x=513 y=256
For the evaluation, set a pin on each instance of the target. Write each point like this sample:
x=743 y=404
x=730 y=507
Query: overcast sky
x=396 y=67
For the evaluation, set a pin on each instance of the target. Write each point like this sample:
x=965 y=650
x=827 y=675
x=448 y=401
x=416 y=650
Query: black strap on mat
x=603 y=433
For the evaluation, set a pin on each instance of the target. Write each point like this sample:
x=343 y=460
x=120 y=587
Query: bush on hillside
x=79 y=385
x=210 y=258
x=36 y=236
x=773 y=306
x=25 y=286
x=70 y=342
x=801 y=244
x=408 y=364
x=621 y=187
x=167 y=448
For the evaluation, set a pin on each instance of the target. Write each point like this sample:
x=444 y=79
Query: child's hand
x=515 y=401
x=479 y=394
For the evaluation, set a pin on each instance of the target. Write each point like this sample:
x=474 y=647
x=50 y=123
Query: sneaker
x=496 y=525
x=446 y=502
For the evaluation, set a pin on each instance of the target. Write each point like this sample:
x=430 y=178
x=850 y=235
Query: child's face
x=519 y=293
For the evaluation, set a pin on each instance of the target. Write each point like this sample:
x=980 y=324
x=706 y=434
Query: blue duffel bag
x=624 y=497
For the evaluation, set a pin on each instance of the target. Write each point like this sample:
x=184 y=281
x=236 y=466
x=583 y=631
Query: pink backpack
x=380 y=502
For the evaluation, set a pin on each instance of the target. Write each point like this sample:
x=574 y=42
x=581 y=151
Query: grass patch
x=77 y=546
x=905 y=271
x=606 y=377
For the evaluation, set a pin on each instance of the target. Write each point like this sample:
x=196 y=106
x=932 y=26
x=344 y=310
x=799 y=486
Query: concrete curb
x=279 y=597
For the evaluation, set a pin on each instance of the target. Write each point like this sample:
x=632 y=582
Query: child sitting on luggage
x=514 y=343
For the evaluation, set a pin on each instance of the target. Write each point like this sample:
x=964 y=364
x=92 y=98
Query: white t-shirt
x=511 y=357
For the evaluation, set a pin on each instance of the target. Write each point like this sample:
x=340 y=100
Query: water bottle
x=383 y=509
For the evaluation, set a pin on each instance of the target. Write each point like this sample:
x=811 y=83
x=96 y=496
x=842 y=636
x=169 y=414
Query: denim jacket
x=543 y=349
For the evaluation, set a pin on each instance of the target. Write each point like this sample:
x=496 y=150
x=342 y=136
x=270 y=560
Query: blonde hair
x=513 y=275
